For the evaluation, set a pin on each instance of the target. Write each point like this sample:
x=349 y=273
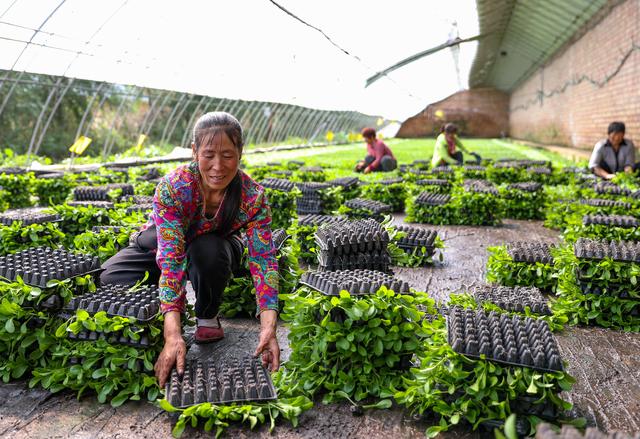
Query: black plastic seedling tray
x=278 y=184
x=375 y=207
x=609 y=188
x=352 y=237
x=345 y=182
x=142 y=304
x=38 y=265
x=624 y=221
x=316 y=220
x=86 y=335
x=216 y=382
x=100 y=193
x=310 y=169
x=442 y=170
x=476 y=168
x=279 y=237
x=599 y=202
x=480 y=186
x=283 y=173
x=427 y=198
x=433 y=182
x=113 y=229
x=139 y=208
x=356 y=282
x=98 y=204
x=514 y=299
x=28 y=216
x=623 y=251
x=511 y=340
x=139 y=199
x=530 y=252
x=389 y=181
x=527 y=186
x=540 y=170
x=416 y=237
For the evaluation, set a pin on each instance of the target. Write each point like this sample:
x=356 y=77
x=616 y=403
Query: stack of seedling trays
x=592 y=264
x=539 y=170
x=624 y=221
x=220 y=382
x=279 y=237
x=101 y=193
x=92 y=203
x=513 y=299
x=438 y=185
x=349 y=246
x=526 y=186
x=307 y=227
x=511 y=341
x=283 y=173
x=524 y=200
x=446 y=172
x=417 y=242
x=28 y=216
x=430 y=208
x=313 y=199
x=311 y=173
x=427 y=198
x=474 y=171
x=522 y=263
x=350 y=186
x=365 y=208
x=480 y=186
x=278 y=184
x=356 y=282
x=9 y=170
x=608 y=188
x=601 y=226
x=389 y=191
x=602 y=203
x=420 y=164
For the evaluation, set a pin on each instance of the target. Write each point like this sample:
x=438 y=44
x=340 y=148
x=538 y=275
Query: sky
x=249 y=49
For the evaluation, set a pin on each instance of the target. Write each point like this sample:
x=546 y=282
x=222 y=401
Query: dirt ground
x=605 y=363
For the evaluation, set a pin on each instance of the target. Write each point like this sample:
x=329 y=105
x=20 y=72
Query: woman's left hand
x=268 y=343
x=367 y=170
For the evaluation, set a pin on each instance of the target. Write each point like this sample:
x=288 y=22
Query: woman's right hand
x=174 y=350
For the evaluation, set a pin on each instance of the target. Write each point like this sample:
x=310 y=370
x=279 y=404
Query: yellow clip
x=329 y=136
x=141 y=140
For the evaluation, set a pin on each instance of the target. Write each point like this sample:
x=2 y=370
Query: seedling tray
x=312 y=188
x=446 y=170
x=430 y=199
x=599 y=202
x=140 y=199
x=513 y=299
x=39 y=265
x=345 y=182
x=378 y=260
x=278 y=184
x=375 y=207
x=356 y=282
x=540 y=170
x=624 y=221
x=113 y=229
x=279 y=237
x=274 y=163
x=28 y=216
x=220 y=383
x=612 y=289
x=389 y=181
x=100 y=193
x=352 y=237
x=416 y=237
x=433 y=182
x=139 y=208
x=511 y=340
x=316 y=220
x=609 y=188
x=117 y=300
x=534 y=163
x=623 y=251
x=480 y=186
x=98 y=204
x=530 y=252
x=310 y=169
x=527 y=186
x=283 y=173
x=474 y=168
x=9 y=170
x=86 y=335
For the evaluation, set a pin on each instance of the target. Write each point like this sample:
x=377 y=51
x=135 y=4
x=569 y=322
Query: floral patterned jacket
x=178 y=216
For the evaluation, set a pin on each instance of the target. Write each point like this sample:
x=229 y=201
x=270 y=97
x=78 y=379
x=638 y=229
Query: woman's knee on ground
x=388 y=164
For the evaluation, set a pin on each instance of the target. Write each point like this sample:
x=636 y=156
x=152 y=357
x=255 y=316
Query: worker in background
x=613 y=154
x=447 y=146
x=379 y=157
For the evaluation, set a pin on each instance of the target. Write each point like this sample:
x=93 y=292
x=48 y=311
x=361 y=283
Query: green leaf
x=343 y=344
x=382 y=404
x=510 y=427
x=9 y=326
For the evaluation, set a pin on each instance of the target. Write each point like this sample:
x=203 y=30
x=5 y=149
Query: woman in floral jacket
x=199 y=211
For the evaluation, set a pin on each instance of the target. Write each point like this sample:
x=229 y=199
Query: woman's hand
x=174 y=350
x=268 y=343
x=367 y=169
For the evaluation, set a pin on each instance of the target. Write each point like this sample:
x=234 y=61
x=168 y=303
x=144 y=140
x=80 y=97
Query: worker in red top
x=379 y=156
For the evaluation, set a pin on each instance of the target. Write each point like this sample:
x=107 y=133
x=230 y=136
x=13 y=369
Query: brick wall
x=608 y=46
x=479 y=112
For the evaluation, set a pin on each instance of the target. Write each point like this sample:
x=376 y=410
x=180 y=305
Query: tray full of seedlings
x=356 y=244
x=307 y=226
x=28 y=216
x=220 y=382
x=603 y=203
x=609 y=188
x=390 y=191
x=417 y=243
x=430 y=199
x=437 y=185
x=503 y=338
x=513 y=299
x=278 y=184
x=446 y=172
x=92 y=203
x=480 y=186
x=356 y=282
x=279 y=237
x=522 y=263
x=531 y=252
x=350 y=186
x=625 y=221
x=524 y=200
x=314 y=197
x=601 y=226
x=39 y=265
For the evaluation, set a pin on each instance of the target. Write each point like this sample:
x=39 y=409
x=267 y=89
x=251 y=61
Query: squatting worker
x=199 y=210
x=379 y=157
x=613 y=154
x=444 y=153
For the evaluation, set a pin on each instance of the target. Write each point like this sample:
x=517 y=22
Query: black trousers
x=458 y=157
x=211 y=262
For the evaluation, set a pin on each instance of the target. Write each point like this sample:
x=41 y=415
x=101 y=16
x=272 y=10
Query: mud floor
x=605 y=363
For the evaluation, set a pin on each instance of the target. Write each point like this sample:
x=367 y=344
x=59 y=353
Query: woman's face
x=218 y=161
x=616 y=138
x=370 y=140
x=450 y=136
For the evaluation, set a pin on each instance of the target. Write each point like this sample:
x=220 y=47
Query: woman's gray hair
x=209 y=124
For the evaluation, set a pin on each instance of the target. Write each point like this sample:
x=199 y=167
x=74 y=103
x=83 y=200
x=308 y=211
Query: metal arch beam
x=179 y=116
x=103 y=99
x=192 y=120
x=86 y=111
x=119 y=116
x=249 y=113
x=40 y=116
x=284 y=122
x=296 y=130
x=252 y=117
x=151 y=110
x=11 y=90
x=313 y=124
x=321 y=124
x=110 y=134
x=51 y=114
x=170 y=118
x=260 y=133
x=158 y=111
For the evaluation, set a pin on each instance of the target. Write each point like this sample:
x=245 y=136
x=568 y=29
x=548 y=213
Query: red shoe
x=205 y=334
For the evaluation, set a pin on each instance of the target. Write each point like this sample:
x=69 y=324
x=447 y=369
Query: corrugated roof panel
x=520 y=36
